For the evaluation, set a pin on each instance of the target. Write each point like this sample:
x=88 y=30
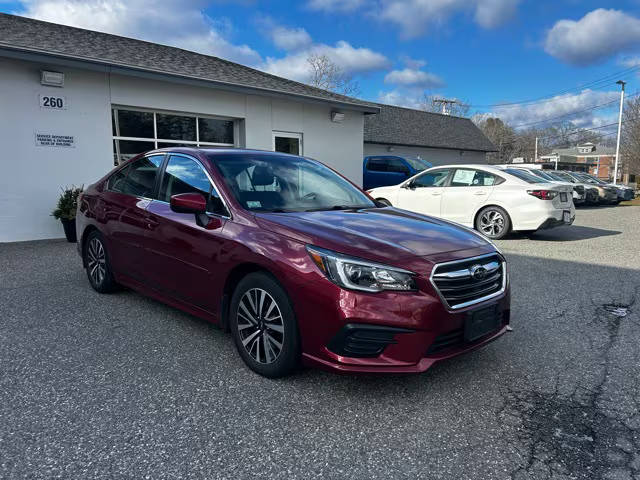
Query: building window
x=136 y=131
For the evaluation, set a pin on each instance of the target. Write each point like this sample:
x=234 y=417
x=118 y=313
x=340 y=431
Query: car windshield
x=541 y=174
x=418 y=164
x=591 y=179
x=272 y=183
x=522 y=175
x=567 y=177
x=555 y=176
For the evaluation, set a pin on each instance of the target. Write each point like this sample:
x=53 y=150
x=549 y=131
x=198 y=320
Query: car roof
x=490 y=168
x=216 y=151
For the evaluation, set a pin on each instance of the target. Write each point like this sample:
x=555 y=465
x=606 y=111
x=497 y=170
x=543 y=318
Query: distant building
x=434 y=137
x=597 y=160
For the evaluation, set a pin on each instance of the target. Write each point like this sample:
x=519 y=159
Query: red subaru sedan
x=297 y=262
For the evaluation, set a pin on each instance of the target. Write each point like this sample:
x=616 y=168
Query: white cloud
x=414 y=17
x=350 y=59
x=630 y=62
x=558 y=106
x=493 y=13
x=596 y=36
x=180 y=23
x=400 y=98
x=290 y=38
x=335 y=5
x=414 y=78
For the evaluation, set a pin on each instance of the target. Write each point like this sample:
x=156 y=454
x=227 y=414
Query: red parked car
x=293 y=259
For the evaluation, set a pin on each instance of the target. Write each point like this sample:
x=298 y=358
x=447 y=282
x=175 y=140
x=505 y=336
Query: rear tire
x=98 y=264
x=384 y=202
x=493 y=222
x=264 y=326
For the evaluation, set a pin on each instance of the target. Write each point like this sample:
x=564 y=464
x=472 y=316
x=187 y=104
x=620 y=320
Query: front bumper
x=386 y=332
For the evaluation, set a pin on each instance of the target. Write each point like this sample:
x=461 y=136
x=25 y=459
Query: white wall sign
x=54 y=102
x=53 y=140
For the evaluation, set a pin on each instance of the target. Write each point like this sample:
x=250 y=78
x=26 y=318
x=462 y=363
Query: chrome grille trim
x=491 y=267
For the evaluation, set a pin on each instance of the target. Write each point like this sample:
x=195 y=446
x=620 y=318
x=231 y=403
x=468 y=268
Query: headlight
x=356 y=274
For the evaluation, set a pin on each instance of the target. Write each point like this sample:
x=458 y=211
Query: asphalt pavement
x=121 y=386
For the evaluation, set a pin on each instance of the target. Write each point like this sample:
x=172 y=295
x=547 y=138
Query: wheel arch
x=235 y=275
x=83 y=241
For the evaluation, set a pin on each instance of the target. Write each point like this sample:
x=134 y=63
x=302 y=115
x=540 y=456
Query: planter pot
x=69 y=229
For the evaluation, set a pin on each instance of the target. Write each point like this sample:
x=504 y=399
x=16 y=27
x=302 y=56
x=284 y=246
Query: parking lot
x=120 y=386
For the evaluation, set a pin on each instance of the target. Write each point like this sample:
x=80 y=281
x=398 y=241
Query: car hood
x=383 y=234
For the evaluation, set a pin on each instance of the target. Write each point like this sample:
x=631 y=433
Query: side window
x=376 y=164
x=396 y=165
x=117 y=180
x=184 y=175
x=435 y=178
x=473 y=178
x=141 y=177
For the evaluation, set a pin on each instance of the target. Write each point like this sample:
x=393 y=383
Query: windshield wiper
x=337 y=207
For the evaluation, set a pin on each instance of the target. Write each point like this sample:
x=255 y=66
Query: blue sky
x=482 y=51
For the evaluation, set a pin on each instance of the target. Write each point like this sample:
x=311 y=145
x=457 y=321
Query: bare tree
x=630 y=139
x=502 y=136
x=325 y=74
x=433 y=103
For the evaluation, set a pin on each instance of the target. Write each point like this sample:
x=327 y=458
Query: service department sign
x=55 y=140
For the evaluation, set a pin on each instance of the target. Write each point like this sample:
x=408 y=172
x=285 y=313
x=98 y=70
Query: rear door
x=468 y=190
x=384 y=171
x=122 y=210
x=424 y=193
x=184 y=252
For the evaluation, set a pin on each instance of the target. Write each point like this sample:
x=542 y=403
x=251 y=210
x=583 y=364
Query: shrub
x=67 y=203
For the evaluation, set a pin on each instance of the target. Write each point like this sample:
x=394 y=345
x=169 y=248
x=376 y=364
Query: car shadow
x=564 y=234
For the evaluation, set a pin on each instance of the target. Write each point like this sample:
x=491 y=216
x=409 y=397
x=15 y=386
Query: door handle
x=480 y=193
x=435 y=194
x=151 y=221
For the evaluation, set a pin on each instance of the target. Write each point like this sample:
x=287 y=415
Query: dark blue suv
x=383 y=170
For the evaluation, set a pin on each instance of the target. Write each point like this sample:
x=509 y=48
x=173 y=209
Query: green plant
x=67 y=203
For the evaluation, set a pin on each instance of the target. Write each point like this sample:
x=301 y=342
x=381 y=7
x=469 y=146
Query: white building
x=439 y=139
x=73 y=102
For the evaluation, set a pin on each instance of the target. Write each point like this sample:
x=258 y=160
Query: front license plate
x=481 y=322
x=563 y=197
x=566 y=217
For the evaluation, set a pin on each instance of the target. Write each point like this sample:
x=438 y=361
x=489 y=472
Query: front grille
x=472 y=280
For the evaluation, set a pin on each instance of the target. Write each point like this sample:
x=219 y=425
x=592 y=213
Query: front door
x=467 y=191
x=424 y=193
x=184 y=251
x=287 y=142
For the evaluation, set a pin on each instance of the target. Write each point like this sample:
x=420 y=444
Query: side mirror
x=409 y=185
x=188 y=203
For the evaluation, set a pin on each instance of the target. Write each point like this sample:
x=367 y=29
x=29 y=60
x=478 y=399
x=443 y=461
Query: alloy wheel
x=96 y=261
x=260 y=325
x=492 y=223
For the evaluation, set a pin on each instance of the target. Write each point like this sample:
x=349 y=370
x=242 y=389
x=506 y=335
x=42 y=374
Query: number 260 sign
x=55 y=102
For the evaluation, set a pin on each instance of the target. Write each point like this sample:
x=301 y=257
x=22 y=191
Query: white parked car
x=492 y=200
x=579 y=194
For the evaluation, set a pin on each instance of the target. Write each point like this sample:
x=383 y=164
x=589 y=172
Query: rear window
x=527 y=177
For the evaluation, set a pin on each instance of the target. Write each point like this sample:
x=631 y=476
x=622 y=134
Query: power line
x=598 y=83
x=573 y=113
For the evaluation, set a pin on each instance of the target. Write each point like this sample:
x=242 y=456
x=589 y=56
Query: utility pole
x=535 y=158
x=615 y=170
x=444 y=102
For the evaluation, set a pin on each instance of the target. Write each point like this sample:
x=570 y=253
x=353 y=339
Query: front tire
x=97 y=264
x=264 y=326
x=493 y=222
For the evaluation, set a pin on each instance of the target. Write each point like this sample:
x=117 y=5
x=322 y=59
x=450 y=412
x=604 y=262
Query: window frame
x=425 y=172
x=155 y=140
x=283 y=134
x=127 y=165
x=498 y=179
x=214 y=187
